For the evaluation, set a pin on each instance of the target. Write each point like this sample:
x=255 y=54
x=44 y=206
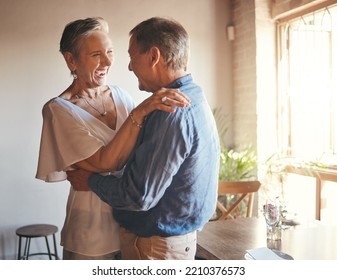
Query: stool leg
x=49 y=254
x=27 y=247
x=55 y=248
x=19 y=250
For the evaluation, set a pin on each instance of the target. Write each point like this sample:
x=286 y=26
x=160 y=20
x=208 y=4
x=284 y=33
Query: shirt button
x=187 y=249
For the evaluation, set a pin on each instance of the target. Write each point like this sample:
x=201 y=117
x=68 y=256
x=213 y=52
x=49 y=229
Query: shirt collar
x=181 y=81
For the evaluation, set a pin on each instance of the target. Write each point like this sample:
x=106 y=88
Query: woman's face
x=94 y=59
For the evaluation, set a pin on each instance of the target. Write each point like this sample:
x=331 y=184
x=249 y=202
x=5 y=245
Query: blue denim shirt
x=169 y=186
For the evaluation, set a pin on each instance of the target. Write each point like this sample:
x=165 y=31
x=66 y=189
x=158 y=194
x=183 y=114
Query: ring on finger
x=163 y=99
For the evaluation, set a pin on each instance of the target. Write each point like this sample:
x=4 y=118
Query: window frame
x=285 y=120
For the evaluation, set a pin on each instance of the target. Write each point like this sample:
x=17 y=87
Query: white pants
x=67 y=255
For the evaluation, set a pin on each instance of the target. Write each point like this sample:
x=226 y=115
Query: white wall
x=32 y=71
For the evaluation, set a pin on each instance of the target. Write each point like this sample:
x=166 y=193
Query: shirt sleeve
x=65 y=140
x=161 y=149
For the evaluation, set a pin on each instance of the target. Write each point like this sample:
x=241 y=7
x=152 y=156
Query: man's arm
x=114 y=155
x=151 y=167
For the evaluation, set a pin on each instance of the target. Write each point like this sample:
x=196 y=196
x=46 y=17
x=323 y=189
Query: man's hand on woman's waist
x=79 y=179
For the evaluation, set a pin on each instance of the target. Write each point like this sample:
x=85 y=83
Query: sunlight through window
x=307 y=79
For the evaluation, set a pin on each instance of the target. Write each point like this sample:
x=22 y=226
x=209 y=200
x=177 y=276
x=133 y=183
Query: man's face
x=140 y=65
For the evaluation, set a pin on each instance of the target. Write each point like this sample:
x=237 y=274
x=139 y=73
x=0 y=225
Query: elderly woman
x=92 y=126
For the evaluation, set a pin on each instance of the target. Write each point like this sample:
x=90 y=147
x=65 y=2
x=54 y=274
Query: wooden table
x=229 y=240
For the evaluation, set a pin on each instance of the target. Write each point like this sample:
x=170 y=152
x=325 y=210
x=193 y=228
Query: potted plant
x=236 y=165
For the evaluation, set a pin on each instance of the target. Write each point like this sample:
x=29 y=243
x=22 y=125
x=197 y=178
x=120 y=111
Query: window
x=307 y=109
x=307 y=92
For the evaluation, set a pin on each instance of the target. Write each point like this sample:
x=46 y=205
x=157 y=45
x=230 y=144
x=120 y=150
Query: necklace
x=102 y=114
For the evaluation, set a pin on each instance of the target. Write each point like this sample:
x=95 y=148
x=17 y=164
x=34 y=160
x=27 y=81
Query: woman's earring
x=74 y=75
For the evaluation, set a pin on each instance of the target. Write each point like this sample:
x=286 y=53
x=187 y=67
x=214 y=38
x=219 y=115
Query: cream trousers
x=181 y=247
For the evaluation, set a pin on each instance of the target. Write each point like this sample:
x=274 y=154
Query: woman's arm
x=114 y=155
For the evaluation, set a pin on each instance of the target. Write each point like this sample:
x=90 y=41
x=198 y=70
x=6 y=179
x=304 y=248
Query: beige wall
x=33 y=71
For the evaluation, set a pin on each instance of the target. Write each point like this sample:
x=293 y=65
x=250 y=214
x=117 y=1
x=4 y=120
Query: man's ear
x=154 y=55
x=70 y=60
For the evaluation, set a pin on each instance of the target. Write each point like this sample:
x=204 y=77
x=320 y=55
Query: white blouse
x=69 y=135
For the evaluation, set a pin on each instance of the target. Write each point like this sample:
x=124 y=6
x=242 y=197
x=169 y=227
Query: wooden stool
x=34 y=231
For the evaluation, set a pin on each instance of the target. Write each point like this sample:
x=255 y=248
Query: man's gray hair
x=169 y=36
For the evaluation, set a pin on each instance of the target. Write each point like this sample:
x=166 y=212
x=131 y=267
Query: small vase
x=274 y=232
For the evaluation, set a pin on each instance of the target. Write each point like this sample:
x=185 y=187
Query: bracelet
x=134 y=122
